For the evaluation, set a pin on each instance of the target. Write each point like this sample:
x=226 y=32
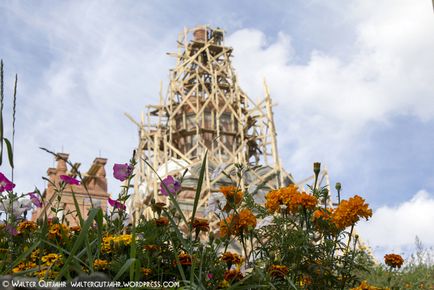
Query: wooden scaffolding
x=205 y=110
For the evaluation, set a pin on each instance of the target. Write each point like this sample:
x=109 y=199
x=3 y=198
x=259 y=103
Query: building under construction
x=205 y=110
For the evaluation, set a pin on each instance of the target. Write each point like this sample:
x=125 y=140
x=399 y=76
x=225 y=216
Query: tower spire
x=205 y=111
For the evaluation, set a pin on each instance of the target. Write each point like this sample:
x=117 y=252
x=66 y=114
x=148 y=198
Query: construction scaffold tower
x=205 y=110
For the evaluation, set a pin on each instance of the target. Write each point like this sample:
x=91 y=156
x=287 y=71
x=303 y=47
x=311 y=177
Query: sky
x=352 y=84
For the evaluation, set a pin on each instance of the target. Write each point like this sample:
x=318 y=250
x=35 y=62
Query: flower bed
x=293 y=241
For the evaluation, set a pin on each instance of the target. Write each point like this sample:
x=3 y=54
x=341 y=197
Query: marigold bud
x=316 y=168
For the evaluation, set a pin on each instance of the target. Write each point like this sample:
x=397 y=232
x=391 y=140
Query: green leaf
x=1 y=111
x=81 y=238
x=199 y=188
x=23 y=256
x=124 y=268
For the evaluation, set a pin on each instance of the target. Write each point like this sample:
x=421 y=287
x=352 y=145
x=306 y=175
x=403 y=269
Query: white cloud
x=99 y=61
x=103 y=60
x=394 y=229
x=327 y=103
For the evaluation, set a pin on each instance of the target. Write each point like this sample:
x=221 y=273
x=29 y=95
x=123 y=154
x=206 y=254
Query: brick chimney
x=94 y=194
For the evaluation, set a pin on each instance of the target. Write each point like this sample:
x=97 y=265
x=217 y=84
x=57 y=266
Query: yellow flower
x=122 y=239
x=350 y=211
x=27 y=225
x=109 y=242
x=46 y=274
x=58 y=231
x=23 y=266
x=99 y=264
x=51 y=258
x=35 y=255
x=106 y=244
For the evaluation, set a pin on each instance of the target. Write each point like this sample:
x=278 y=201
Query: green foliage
x=416 y=273
x=9 y=144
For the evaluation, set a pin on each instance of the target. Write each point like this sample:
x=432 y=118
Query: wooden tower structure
x=205 y=110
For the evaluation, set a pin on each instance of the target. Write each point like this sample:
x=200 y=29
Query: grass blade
x=1 y=111
x=81 y=238
x=124 y=268
x=199 y=187
x=10 y=152
x=22 y=256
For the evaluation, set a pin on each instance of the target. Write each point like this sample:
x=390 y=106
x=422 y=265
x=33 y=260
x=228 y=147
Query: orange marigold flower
x=162 y=221
x=227 y=226
x=393 y=260
x=350 y=211
x=246 y=220
x=278 y=271
x=151 y=247
x=184 y=259
x=27 y=225
x=322 y=214
x=233 y=275
x=306 y=280
x=233 y=196
x=291 y=198
x=200 y=225
x=231 y=258
x=276 y=198
x=236 y=224
x=146 y=271
x=100 y=264
x=75 y=229
x=304 y=200
x=365 y=286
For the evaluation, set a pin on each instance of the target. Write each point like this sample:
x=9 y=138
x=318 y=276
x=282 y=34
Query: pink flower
x=210 y=276
x=116 y=204
x=170 y=186
x=5 y=184
x=35 y=199
x=11 y=230
x=122 y=171
x=69 y=180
